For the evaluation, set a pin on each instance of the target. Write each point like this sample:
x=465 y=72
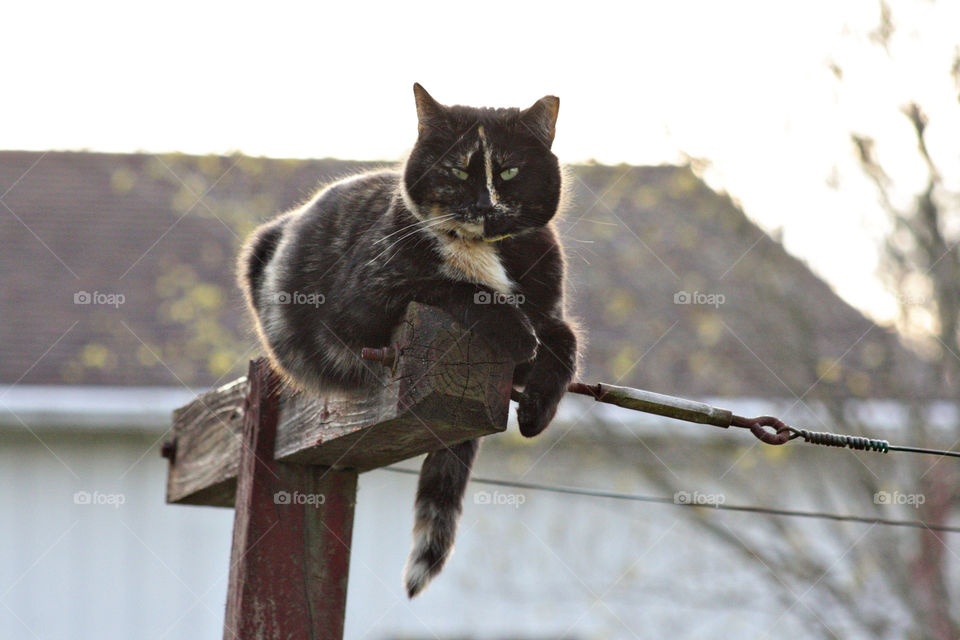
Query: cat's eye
x=509 y=174
x=459 y=173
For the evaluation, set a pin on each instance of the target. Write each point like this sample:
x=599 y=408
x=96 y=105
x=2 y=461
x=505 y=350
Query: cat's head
x=483 y=174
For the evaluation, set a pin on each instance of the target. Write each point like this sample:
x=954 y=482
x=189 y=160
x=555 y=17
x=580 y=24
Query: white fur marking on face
x=474 y=261
x=473 y=228
x=488 y=166
x=469 y=156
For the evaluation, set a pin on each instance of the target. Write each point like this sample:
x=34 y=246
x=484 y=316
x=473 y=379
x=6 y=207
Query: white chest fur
x=475 y=261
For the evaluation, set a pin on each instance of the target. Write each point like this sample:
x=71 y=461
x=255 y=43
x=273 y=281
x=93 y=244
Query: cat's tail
x=443 y=481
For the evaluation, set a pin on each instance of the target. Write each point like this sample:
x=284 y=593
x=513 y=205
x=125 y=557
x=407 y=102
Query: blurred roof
x=151 y=241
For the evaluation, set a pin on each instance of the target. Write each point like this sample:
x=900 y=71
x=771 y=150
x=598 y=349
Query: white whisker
x=425 y=226
x=418 y=222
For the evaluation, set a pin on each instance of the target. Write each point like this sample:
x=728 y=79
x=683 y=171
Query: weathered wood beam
x=207 y=437
x=446 y=386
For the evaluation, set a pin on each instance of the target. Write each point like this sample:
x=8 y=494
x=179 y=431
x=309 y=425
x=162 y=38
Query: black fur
x=458 y=222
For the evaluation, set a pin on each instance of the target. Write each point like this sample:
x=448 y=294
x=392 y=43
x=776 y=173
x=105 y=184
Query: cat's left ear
x=429 y=111
x=541 y=118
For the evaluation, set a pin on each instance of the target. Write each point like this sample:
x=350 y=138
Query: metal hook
x=757 y=426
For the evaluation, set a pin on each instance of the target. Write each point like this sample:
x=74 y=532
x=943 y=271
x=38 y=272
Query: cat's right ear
x=541 y=118
x=429 y=111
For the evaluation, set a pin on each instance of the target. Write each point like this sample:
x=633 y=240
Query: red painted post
x=291 y=534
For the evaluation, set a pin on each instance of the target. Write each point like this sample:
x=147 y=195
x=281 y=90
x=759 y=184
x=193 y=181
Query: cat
x=467 y=219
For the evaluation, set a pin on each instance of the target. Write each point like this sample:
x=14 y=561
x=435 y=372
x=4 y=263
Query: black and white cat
x=470 y=214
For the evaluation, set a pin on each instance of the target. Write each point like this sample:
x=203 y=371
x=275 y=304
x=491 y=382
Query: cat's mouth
x=470 y=231
x=461 y=230
x=481 y=229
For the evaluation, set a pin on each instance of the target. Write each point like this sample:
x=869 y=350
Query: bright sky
x=743 y=84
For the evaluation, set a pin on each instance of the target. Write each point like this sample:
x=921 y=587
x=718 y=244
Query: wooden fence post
x=291 y=535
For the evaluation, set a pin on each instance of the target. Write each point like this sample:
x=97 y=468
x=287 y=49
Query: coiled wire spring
x=839 y=440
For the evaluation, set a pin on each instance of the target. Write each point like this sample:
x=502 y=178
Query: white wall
x=553 y=566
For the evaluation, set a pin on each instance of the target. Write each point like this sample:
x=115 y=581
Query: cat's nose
x=483 y=201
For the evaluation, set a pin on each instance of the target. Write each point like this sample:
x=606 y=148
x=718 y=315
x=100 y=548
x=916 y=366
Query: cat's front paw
x=509 y=333
x=535 y=411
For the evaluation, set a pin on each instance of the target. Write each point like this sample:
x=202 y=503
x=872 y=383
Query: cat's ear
x=541 y=118
x=429 y=111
